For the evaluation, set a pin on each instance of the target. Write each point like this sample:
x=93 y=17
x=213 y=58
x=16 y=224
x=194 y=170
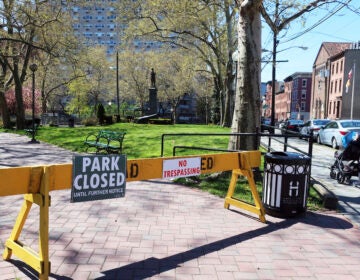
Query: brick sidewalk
x=161 y=230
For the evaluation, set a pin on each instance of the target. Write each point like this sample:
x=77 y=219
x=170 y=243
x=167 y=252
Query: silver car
x=332 y=133
x=313 y=126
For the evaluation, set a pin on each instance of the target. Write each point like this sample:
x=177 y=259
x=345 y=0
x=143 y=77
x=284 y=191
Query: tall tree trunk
x=229 y=80
x=216 y=102
x=3 y=105
x=247 y=100
x=4 y=111
x=20 y=112
x=43 y=92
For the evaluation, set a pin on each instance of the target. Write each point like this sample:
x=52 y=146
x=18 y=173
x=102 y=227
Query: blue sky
x=344 y=26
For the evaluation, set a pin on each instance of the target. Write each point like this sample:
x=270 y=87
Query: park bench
x=106 y=141
x=29 y=131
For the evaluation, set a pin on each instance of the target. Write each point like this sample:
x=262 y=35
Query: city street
x=322 y=159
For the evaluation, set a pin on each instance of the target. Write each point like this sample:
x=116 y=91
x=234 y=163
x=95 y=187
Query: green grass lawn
x=144 y=141
x=141 y=140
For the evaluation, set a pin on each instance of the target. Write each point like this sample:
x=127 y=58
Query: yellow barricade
x=35 y=182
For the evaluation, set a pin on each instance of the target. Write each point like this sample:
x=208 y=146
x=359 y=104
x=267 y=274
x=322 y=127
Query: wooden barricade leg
x=245 y=170
x=19 y=224
x=38 y=261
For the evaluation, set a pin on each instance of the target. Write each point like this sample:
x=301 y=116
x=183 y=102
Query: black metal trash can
x=286 y=183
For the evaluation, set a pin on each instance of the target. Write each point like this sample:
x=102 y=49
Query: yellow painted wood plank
x=14 y=180
x=21 y=180
x=26 y=254
x=61 y=177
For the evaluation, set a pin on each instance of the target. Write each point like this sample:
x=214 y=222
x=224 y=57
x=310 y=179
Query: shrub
x=100 y=113
x=89 y=121
x=160 y=121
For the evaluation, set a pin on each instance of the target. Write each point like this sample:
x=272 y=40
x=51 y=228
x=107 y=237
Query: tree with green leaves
x=94 y=81
x=27 y=29
x=204 y=29
x=100 y=113
x=176 y=74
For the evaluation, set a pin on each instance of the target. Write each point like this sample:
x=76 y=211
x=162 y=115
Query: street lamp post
x=117 y=87
x=33 y=68
x=273 y=80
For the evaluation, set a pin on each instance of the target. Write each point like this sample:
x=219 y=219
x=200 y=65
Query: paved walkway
x=161 y=230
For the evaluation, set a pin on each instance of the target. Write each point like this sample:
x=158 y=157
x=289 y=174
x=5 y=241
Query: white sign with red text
x=181 y=167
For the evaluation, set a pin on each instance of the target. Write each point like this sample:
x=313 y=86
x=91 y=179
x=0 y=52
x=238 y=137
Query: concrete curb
x=330 y=200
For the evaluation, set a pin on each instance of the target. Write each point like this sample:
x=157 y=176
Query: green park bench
x=108 y=141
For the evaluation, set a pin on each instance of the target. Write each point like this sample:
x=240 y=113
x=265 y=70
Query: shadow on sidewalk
x=32 y=273
x=154 y=266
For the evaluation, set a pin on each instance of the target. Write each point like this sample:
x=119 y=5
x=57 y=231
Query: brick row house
x=331 y=97
x=292 y=97
x=331 y=91
x=297 y=88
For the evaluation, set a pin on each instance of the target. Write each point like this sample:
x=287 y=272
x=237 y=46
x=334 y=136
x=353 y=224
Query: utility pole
x=273 y=78
x=352 y=91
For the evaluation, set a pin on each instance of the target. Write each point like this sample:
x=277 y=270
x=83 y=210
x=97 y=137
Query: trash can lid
x=286 y=156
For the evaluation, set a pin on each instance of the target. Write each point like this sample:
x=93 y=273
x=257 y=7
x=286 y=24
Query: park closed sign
x=98 y=177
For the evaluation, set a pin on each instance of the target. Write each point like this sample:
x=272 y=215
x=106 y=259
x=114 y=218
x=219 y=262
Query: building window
x=340 y=82
x=335 y=89
x=332 y=69
x=337 y=67
x=302 y=106
x=303 y=94
x=304 y=82
x=338 y=109
x=341 y=65
x=331 y=86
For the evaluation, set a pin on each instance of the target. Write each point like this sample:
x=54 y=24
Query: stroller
x=347 y=162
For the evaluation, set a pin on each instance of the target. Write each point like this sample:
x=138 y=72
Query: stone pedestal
x=153 y=100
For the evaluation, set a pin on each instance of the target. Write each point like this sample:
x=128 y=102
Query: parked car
x=280 y=124
x=291 y=126
x=313 y=126
x=331 y=133
x=265 y=125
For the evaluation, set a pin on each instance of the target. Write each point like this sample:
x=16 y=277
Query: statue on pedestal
x=153 y=78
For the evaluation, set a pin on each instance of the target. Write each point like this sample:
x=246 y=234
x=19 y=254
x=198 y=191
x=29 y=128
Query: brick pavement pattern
x=161 y=230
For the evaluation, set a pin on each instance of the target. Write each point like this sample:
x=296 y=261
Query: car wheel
x=334 y=144
x=318 y=139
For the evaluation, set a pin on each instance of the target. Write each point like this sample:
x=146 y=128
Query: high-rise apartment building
x=96 y=23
